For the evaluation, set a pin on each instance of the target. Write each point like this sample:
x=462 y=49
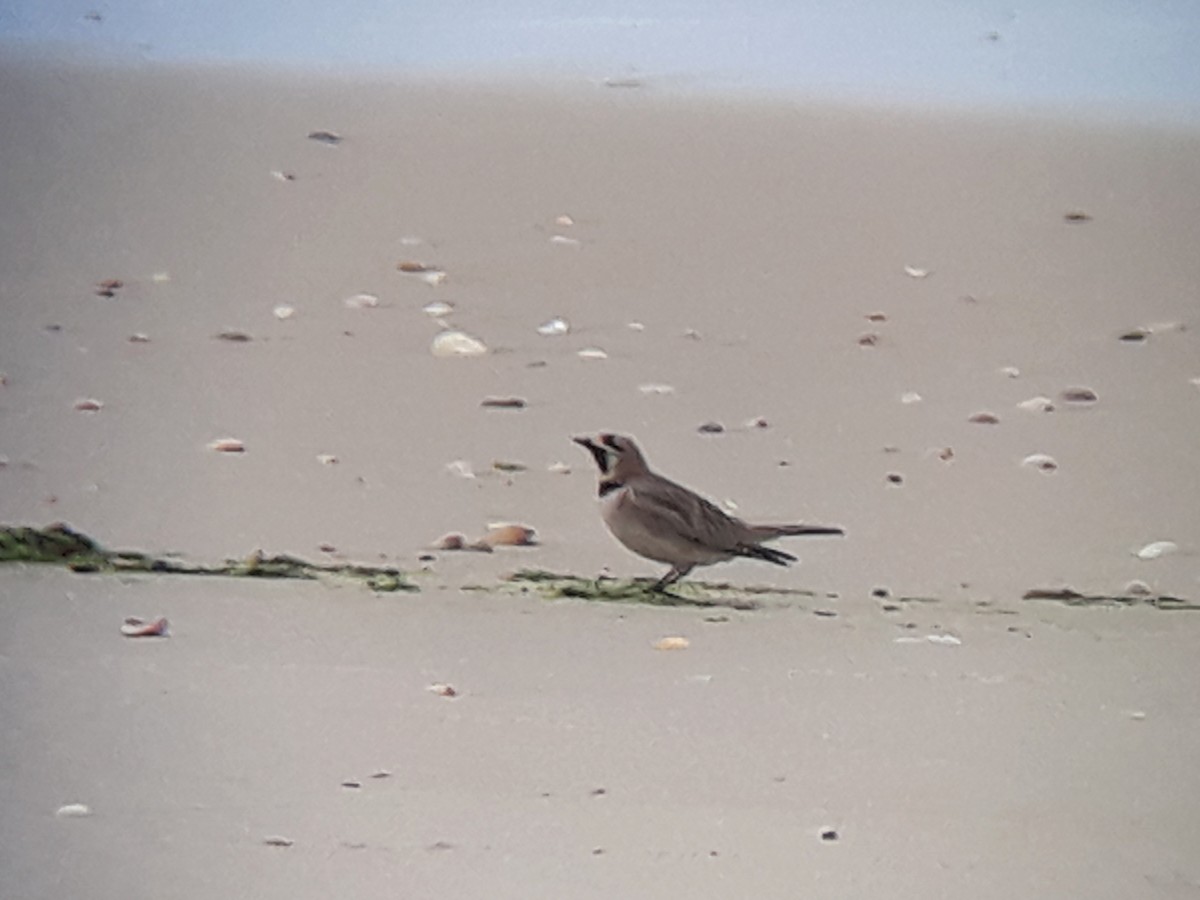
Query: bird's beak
x=599 y=454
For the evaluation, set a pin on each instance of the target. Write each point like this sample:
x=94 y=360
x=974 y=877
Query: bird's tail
x=770 y=554
x=766 y=532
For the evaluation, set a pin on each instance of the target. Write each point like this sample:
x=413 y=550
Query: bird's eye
x=610 y=441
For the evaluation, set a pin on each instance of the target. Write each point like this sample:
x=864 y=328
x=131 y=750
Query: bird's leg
x=670 y=578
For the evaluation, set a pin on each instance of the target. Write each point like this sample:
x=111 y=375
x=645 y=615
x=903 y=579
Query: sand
x=1046 y=753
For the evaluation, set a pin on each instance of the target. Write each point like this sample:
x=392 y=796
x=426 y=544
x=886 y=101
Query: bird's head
x=614 y=453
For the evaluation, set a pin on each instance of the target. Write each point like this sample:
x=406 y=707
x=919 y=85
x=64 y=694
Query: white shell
x=638 y=326
x=361 y=301
x=1041 y=461
x=461 y=468
x=564 y=241
x=656 y=389
x=910 y=397
x=457 y=343
x=1157 y=549
x=1011 y=372
x=914 y=272
x=284 y=312
x=948 y=639
x=327 y=459
x=73 y=811
x=1037 y=404
x=437 y=309
x=592 y=353
x=227 y=445
x=565 y=221
x=554 y=327
x=559 y=468
x=89 y=404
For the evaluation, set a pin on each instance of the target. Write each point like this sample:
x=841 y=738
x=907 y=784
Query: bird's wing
x=670 y=508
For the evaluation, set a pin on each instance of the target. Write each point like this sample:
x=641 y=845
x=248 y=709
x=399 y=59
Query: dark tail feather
x=766 y=532
x=770 y=554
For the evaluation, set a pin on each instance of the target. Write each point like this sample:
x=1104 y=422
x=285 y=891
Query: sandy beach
x=898 y=295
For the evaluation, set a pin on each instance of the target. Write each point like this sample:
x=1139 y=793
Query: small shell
x=89 y=404
x=876 y=317
x=227 y=445
x=911 y=397
x=870 y=339
x=711 y=428
x=946 y=454
x=592 y=353
x=73 y=811
x=457 y=343
x=160 y=277
x=277 y=840
x=280 y=175
x=1156 y=549
x=503 y=403
x=508 y=465
x=553 y=327
x=109 y=287
x=135 y=627
x=509 y=534
x=1042 y=462
x=895 y=478
x=635 y=326
x=656 y=388
x=461 y=468
x=284 y=312
x=915 y=272
x=984 y=418
x=563 y=241
x=757 y=422
x=139 y=337
x=327 y=459
x=437 y=309
x=332 y=138
x=453 y=541
x=428 y=274
x=564 y=221
x=559 y=468
x=1078 y=395
x=673 y=642
x=234 y=337
x=361 y=301
x=1076 y=216
x=1037 y=404
x=1138 y=588
x=1134 y=335
x=1010 y=372
x=949 y=639
x=442 y=690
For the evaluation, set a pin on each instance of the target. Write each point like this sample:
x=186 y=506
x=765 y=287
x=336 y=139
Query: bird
x=669 y=523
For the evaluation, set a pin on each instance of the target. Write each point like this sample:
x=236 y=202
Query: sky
x=1110 y=57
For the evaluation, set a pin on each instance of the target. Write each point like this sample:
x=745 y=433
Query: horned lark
x=664 y=521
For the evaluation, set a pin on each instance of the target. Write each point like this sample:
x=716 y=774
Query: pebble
x=227 y=445
x=711 y=428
